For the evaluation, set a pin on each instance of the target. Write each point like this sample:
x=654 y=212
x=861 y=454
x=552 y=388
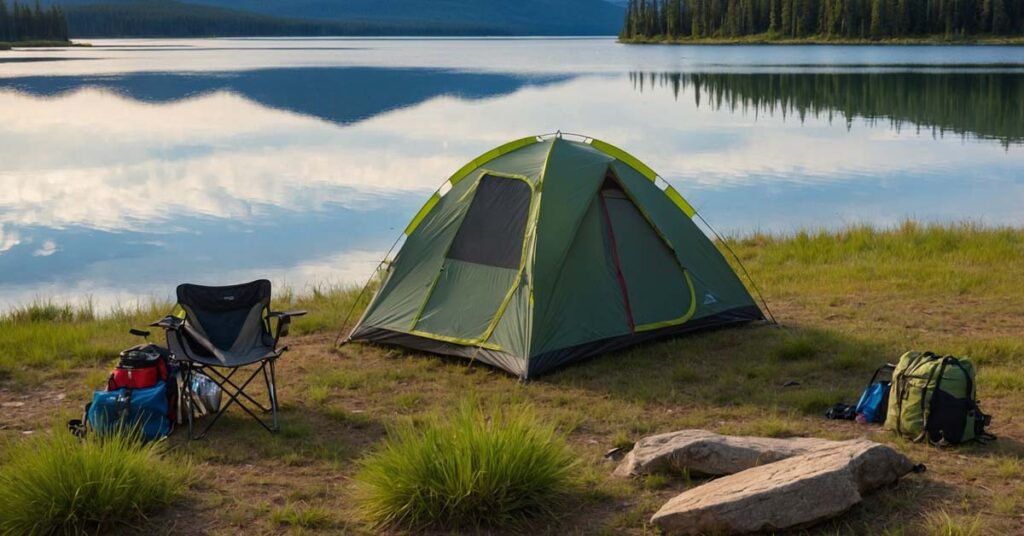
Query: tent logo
x=709 y=298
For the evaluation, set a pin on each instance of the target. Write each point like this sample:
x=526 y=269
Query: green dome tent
x=545 y=251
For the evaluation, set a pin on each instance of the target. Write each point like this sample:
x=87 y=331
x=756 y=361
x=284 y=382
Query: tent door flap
x=483 y=264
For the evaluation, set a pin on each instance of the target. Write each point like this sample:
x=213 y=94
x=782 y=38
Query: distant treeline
x=986 y=105
x=827 y=19
x=169 y=18
x=20 y=22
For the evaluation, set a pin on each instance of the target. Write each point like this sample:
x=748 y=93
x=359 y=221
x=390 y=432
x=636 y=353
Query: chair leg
x=189 y=403
x=270 y=394
x=236 y=398
x=223 y=380
x=272 y=391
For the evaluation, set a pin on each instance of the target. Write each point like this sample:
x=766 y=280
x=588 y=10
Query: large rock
x=787 y=494
x=704 y=453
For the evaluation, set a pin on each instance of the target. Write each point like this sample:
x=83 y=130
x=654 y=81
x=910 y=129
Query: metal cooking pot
x=206 y=393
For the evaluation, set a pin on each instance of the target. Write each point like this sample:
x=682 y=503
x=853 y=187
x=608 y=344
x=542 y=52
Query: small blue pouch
x=873 y=402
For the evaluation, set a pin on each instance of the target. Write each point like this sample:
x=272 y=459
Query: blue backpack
x=126 y=408
x=874 y=402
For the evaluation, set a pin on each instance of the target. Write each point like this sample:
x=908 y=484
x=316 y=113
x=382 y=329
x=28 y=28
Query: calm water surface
x=130 y=166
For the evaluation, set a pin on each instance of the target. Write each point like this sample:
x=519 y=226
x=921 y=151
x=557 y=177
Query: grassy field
x=767 y=39
x=846 y=302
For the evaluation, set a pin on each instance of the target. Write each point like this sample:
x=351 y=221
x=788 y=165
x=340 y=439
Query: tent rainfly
x=546 y=251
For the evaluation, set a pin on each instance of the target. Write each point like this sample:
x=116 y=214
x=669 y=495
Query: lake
x=133 y=165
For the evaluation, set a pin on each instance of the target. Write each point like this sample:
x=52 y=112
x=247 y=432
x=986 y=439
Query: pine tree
x=22 y=22
x=697 y=26
x=999 y=20
x=799 y=8
x=876 y=19
x=62 y=25
x=787 y=18
x=671 y=14
x=4 y=22
x=36 y=27
x=685 y=18
x=627 y=22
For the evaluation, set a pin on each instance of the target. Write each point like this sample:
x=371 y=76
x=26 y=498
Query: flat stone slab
x=795 y=492
x=704 y=453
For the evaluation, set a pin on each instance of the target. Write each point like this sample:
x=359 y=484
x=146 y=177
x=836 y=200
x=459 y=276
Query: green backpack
x=933 y=397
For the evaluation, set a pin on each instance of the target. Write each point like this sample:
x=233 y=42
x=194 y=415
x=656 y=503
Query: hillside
x=566 y=17
x=202 y=18
x=168 y=18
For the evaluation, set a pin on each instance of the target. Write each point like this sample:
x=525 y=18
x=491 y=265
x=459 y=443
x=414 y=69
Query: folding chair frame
x=234 y=392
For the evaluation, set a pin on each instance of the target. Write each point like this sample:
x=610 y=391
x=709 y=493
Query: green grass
x=473 y=468
x=328 y=306
x=57 y=484
x=847 y=301
x=796 y=349
x=302 y=516
x=43 y=339
x=944 y=524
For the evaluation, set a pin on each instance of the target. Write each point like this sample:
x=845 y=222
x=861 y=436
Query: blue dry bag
x=125 y=409
x=874 y=402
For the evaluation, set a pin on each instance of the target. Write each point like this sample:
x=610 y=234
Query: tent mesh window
x=492 y=231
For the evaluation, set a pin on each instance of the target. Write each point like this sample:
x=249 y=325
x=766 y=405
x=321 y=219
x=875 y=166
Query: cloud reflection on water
x=121 y=185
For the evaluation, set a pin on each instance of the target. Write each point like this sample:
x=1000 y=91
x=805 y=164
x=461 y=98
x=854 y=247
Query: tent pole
x=359 y=298
x=362 y=292
x=742 y=267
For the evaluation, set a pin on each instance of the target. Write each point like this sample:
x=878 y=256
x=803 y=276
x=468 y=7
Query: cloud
x=183 y=159
x=48 y=248
x=129 y=165
x=8 y=239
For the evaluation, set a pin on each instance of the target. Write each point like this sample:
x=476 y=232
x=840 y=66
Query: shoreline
x=150 y=307
x=11 y=45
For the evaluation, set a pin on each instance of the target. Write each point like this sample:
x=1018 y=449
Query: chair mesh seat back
x=221 y=321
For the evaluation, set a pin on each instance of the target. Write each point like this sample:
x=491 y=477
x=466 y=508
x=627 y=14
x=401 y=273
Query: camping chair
x=223 y=330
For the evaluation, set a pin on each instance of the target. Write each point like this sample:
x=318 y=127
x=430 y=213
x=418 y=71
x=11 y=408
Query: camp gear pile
x=933 y=398
x=141 y=395
x=545 y=251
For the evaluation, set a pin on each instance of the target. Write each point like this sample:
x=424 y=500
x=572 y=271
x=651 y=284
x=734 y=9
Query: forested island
x=25 y=25
x=982 y=105
x=724 y=21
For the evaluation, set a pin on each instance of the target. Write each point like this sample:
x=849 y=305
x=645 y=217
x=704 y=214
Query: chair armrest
x=169 y=322
x=284 y=321
x=283 y=314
